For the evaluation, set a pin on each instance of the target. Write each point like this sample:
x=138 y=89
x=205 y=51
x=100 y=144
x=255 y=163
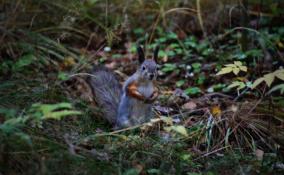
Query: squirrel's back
x=107 y=91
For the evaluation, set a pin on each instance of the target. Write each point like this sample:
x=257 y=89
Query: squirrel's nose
x=151 y=76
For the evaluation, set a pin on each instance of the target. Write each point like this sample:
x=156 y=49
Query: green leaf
x=138 y=30
x=192 y=91
x=132 y=171
x=191 y=44
x=254 y=53
x=201 y=79
x=60 y=114
x=180 y=83
x=54 y=111
x=24 y=137
x=23 y=61
x=196 y=65
x=172 y=35
x=8 y=113
x=169 y=67
x=154 y=171
x=174 y=45
x=62 y=76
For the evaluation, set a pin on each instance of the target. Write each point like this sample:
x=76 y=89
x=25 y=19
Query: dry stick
x=145 y=124
x=218 y=94
x=84 y=74
x=136 y=126
x=207 y=154
x=154 y=27
x=199 y=17
x=181 y=10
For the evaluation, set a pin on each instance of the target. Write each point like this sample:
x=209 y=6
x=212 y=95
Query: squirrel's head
x=148 y=67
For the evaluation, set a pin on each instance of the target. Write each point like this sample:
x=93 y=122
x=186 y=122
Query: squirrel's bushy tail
x=107 y=91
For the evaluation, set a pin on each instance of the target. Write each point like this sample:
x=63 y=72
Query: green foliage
x=240 y=85
x=180 y=83
x=35 y=60
x=36 y=114
x=196 y=67
x=24 y=61
x=52 y=111
x=169 y=67
x=192 y=90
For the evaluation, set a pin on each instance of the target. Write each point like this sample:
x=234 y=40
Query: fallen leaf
x=259 y=154
x=216 y=111
x=69 y=61
x=179 y=129
x=163 y=110
x=189 y=105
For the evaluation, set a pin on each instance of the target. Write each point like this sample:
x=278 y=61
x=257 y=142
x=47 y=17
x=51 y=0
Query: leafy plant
x=178 y=129
x=239 y=85
x=235 y=68
x=36 y=113
x=192 y=90
x=169 y=67
x=279 y=87
x=180 y=83
x=269 y=78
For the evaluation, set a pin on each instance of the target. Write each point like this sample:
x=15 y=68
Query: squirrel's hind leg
x=122 y=119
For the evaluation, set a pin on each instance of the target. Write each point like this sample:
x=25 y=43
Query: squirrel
x=131 y=104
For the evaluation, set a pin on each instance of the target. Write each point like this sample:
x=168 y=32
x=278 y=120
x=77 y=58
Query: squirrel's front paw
x=153 y=97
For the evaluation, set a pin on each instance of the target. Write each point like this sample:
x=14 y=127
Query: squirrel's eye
x=143 y=68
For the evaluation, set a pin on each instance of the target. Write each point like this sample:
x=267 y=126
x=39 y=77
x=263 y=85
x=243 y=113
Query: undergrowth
x=205 y=124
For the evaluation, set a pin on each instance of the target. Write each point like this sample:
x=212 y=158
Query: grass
x=44 y=62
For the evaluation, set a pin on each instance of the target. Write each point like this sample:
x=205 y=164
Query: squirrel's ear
x=156 y=53
x=141 y=56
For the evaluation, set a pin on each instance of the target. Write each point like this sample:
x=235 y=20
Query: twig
x=207 y=154
x=84 y=74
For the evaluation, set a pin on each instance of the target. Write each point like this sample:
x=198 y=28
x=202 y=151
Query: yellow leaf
x=257 y=82
x=238 y=63
x=280 y=74
x=243 y=68
x=167 y=120
x=236 y=71
x=259 y=154
x=69 y=61
x=234 y=84
x=216 y=111
x=268 y=78
x=243 y=79
x=225 y=70
x=179 y=129
x=280 y=44
x=230 y=65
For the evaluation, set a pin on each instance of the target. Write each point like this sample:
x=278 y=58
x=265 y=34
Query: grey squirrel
x=131 y=104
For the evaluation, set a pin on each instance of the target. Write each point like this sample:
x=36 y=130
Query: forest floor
x=220 y=109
